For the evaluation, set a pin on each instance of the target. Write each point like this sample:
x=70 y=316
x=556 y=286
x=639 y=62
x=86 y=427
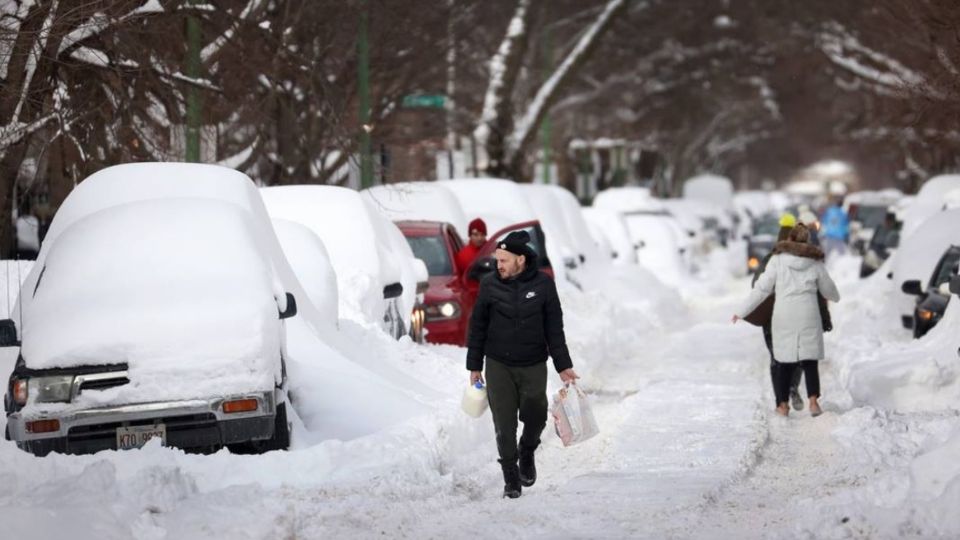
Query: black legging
x=783 y=374
x=797 y=373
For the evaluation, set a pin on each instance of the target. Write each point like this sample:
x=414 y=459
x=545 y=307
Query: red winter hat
x=477 y=225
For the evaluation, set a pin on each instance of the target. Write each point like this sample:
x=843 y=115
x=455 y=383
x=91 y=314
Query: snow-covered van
x=155 y=310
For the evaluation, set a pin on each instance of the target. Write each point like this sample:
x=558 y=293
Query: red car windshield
x=433 y=252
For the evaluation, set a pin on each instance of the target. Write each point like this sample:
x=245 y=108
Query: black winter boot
x=528 y=468
x=511 y=479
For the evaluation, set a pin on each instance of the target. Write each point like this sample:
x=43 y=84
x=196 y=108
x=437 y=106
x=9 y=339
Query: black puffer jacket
x=518 y=321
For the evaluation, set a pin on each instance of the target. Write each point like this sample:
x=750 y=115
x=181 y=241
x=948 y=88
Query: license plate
x=137 y=436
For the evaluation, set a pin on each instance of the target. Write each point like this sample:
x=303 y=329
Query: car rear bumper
x=190 y=424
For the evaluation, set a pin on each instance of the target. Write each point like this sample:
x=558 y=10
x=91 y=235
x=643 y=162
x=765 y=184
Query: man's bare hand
x=734 y=319
x=568 y=376
x=476 y=376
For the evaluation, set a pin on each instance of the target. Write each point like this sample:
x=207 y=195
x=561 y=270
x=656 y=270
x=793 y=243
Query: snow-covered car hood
x=177 y=289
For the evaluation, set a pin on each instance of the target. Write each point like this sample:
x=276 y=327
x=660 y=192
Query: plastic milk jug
x=474 y=400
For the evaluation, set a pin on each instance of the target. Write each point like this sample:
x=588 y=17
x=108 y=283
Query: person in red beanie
x=478 y=237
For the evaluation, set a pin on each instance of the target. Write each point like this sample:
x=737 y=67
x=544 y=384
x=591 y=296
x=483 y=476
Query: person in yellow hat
x=787 y=222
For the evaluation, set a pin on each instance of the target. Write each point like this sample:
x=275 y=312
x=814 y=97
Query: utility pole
x=449 y=104
x=363 y=67
x=546 y=135
x=194 y=104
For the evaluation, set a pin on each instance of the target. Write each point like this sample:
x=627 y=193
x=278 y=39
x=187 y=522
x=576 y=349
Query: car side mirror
x=955 y=285
x=912 y=287
x=481 y=267
x=291 y=307
x=8 y=333
x=393 y=290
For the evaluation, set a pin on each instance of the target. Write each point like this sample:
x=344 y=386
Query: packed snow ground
x=689 y=447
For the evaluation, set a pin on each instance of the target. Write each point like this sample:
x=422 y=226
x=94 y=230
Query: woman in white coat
x=796 y=274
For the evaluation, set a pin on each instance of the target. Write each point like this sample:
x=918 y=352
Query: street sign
x=424 y=101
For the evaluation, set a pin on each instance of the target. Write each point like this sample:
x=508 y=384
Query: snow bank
x=139 y=283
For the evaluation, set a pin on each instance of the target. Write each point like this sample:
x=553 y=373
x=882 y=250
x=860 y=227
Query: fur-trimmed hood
x=799 y=249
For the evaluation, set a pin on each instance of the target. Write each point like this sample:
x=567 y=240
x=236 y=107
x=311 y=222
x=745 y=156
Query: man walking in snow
x=517 y=321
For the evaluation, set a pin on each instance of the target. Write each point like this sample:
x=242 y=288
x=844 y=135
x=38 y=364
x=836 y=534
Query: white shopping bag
x=572 y=415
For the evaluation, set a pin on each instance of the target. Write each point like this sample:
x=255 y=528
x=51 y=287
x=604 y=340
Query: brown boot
x=815 y=409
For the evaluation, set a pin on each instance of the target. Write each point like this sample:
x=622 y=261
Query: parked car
x=379 y=281
x=932 y=302
x=918 y=254
x=766 y=228
x=883 y=242
x=608 y=228
x=448 y=301
x=867 y=210
x=134 y=328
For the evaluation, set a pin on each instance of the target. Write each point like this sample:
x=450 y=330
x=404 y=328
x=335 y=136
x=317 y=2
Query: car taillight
x=753 y=263
x=20 y=391
x=43 y=426
x=240 y=405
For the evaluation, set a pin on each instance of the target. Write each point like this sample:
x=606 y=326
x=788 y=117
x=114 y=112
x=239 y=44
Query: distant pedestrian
x=787 y=223
x=477 y=231
x=516 y=322
x=836 y=228
x=796 y=272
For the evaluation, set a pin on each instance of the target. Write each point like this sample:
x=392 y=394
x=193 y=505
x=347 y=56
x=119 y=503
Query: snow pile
x=139 y=283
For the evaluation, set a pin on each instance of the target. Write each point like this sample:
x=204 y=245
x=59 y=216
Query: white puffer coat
x=796 y=325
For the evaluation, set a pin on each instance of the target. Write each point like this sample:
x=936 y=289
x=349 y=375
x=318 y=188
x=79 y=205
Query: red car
x=452 y=292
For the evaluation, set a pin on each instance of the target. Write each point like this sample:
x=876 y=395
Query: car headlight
x=926 y=315
x=53 y=389
x=753 y=263
x=443 y=311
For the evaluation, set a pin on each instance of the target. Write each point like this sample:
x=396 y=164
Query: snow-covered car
x=379 y=281
x=608 y=228
x=418 y=201
x=718 y=192
x=929 y=200
x=932 y=302
x=662 y=245
x=156 y=310
x=918 y=255
x=766 y=228
x=867 y=210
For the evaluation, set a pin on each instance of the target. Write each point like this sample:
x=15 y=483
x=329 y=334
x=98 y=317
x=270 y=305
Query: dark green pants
x=517 y=392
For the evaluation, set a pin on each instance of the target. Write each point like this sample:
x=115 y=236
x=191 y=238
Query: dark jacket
x=518 y=321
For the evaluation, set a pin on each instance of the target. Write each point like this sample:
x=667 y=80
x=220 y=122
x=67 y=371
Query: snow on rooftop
x=428 y=201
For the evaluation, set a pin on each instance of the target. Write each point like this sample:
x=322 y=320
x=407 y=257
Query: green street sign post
x=424 y=101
